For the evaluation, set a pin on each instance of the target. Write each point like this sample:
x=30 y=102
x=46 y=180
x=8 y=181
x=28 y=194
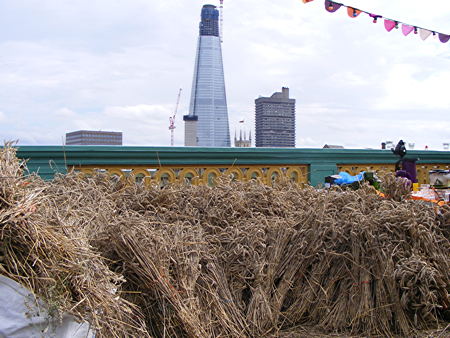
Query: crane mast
x=172 y=119
x=221 y=20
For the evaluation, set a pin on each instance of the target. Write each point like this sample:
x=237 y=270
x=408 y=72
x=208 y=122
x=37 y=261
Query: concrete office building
x=275 y=120
x=190 y=130
x=207 y=122
x=92 y=137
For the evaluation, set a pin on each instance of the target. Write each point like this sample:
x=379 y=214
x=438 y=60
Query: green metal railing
x=318 y=163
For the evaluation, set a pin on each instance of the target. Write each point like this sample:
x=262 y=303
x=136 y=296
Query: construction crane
x=221 y=20
x=172 y=119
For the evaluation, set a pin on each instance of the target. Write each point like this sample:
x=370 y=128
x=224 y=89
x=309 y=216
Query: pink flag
x=443 y=37
x=424 y=33
x=406 y=29
x=389 y=24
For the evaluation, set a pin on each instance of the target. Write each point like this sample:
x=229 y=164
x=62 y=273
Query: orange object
x=438 y=202
x=419 y=198
x=353 y=12
x=379 y=193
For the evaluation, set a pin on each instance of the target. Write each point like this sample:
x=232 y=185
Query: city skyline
x=93 y=65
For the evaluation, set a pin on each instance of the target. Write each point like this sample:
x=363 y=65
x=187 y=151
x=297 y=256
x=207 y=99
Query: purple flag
x=331 y=6
x=444 y=37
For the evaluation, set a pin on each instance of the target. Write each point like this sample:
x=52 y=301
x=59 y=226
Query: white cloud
x=99 y=64
x=348 y=78
x=140 y=112
x=65 y=113
x=408 y=86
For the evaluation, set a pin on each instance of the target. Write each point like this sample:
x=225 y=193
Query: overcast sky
x=118 y=65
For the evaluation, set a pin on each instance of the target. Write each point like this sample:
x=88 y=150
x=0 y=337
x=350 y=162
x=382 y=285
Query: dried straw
x=248 y=260
x=51 y=256
x=396 y=188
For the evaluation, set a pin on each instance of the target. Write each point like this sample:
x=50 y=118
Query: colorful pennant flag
x=331 y=6
x=406 y=29
x=389 y=24
x=424 y=33
x=353 y=12
x=444 y=38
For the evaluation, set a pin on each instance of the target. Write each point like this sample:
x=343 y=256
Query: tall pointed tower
x=207 y=122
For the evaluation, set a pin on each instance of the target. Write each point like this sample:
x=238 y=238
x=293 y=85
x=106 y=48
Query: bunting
x=389 y=24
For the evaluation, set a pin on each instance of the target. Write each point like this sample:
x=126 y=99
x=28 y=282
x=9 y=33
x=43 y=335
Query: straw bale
x=242 y=259
x=51 y=256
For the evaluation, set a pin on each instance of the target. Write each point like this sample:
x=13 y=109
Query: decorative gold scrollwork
x=254 y=173
x=235 y=174
x=201 y=174
x=189 y=176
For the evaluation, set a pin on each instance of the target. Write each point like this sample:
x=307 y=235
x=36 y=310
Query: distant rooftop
x=332 y=146
x=94 y=131
x=94 y=137
x=284 y=94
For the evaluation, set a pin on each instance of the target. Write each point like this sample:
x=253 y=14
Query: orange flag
x=353 y=12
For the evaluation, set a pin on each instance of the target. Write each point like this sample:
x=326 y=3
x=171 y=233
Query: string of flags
x=389 y=24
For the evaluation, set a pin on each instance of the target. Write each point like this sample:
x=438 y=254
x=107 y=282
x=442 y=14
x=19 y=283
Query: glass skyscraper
x=208 y=106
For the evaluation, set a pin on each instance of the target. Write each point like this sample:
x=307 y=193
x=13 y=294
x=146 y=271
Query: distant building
x=243 y=142
x=190 y=130
x=332 y=146
x=275 y=120
x=92 y=137
x=206 y=125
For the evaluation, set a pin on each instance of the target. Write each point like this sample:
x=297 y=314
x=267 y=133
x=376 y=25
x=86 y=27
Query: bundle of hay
x=244 y=259
x=52 y=257
x=247 y=260
x=396 y=188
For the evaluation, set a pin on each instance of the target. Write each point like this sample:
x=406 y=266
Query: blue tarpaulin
x=346 y=178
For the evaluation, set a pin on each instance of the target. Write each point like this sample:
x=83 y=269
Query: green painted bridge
x=201 y=165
